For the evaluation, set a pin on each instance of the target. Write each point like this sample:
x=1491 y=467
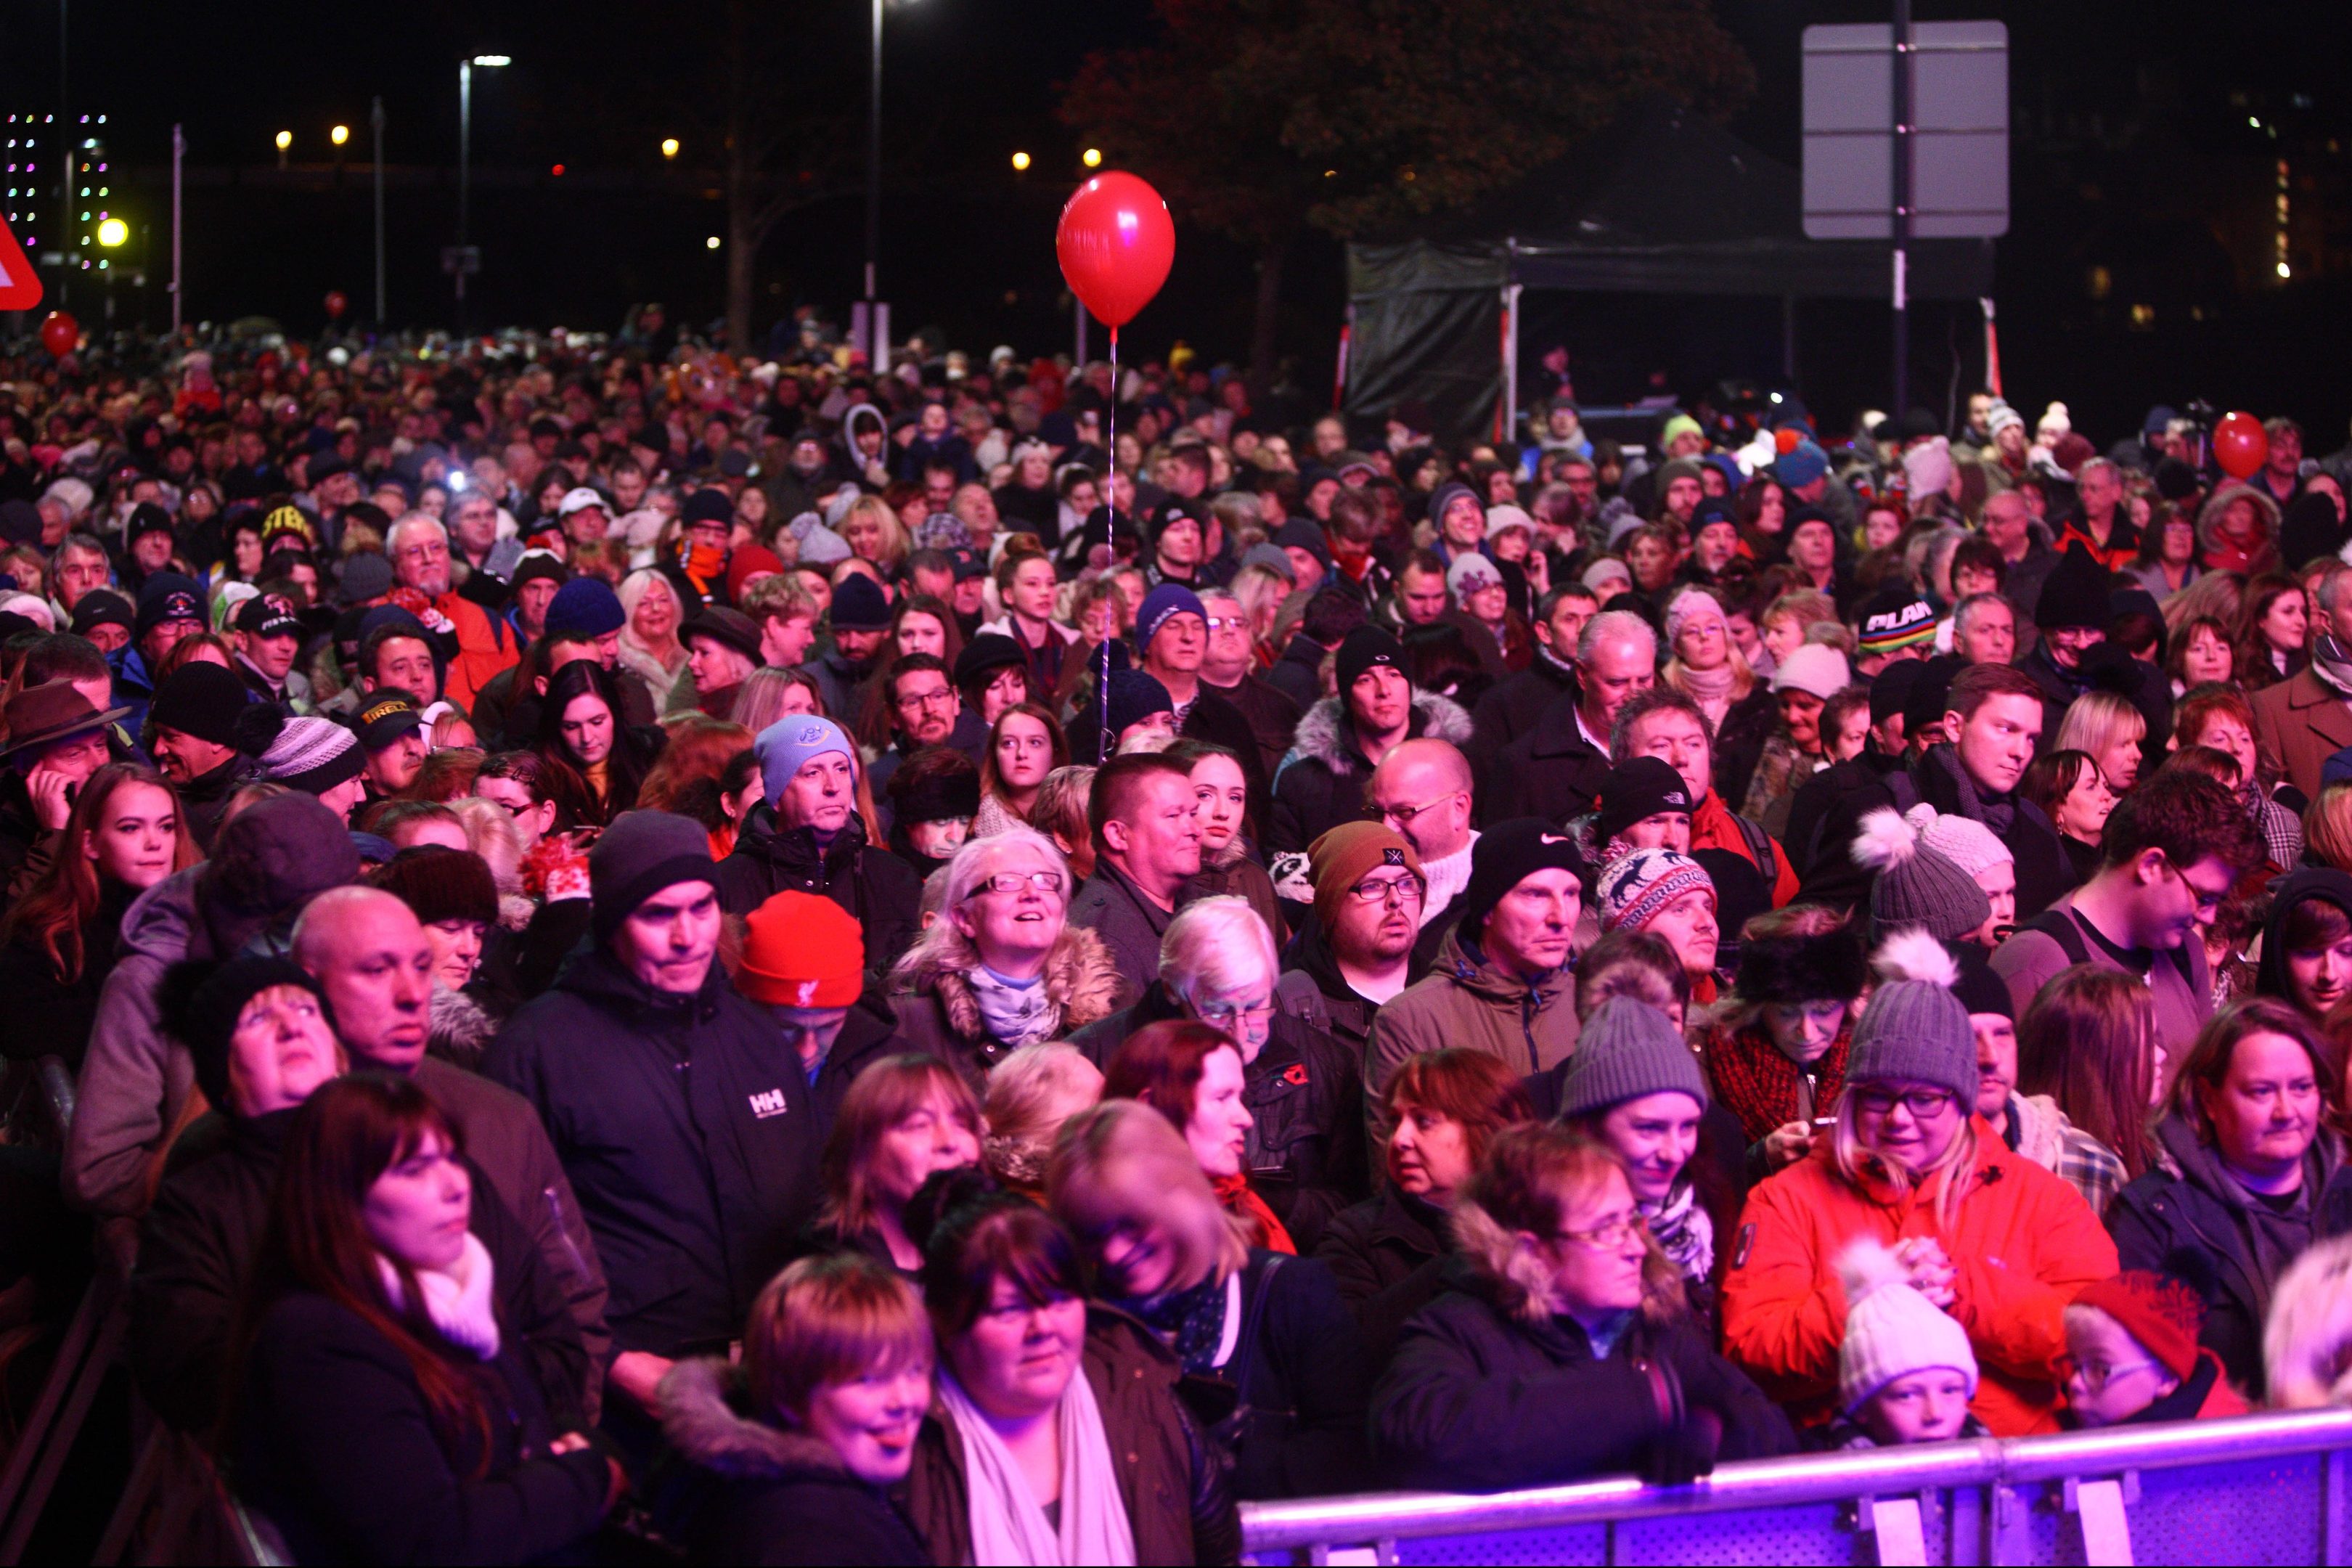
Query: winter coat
x=1129 y=924
x=1477 y=1400
x=1313 y=991
x=48 y=1017
x=2044 y=876
x=1470 y=1001
x=2299 y=724
x=1321 y=784
x=2189 y=1218
x=205 y=799
x=504 y=1138
x=938 y=1014
x=869 y=881
x=1232 y=873
x=1172 y=1482
x=196 y=1248
x=1512 y=706
x=2023 y=1243
x=135 y=1078
x=1272 y=718
x=688 y=1133
x=838 y=681
x=339 y=1448
x=1298 y=673
x=766 y=1495
x=1552 y=772
x=1387 y=1255
x=868 y=1035
x=1304 y=1154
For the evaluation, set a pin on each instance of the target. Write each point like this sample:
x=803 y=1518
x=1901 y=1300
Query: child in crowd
x=1906 y=1372
x=2132 y=1355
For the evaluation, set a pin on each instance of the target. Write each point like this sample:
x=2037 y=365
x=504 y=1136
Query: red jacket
x=2022 y=1241
x=484 y=648
x=1713 y=827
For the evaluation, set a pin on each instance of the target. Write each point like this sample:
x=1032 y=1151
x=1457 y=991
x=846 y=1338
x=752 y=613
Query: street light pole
x=875 y=341
x=464 y=156
x=179 y=156
x=376 y=124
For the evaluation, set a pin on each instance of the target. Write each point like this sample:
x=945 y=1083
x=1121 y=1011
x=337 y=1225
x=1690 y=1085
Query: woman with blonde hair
x=1980 y=1231
x=1565 y=1348
x=1031 y=1094
x=2108 y=729
x=651 y=651
x=769 y=694
x=1707 y=666
x=2327 y=826
x=1268 y=1331
x=873 y=533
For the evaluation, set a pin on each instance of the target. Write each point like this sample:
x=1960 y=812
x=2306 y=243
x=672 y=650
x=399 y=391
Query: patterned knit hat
x=2161 y=1312
x=1634 y=888
x=1891 y=1329
x=1626 y=1049
x=1915 y=885
x=1896 y=619
x=308 y=753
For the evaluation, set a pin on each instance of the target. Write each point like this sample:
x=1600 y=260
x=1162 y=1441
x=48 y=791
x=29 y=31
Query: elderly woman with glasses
x=1984 y=1233
x=1002 y=967
x=1564 y=1347
x=1304 y=1151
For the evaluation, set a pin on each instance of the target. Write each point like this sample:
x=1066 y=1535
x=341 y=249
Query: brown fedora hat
x=53 y=711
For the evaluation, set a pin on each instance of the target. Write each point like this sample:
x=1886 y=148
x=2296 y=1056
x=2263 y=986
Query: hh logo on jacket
x=767 y=1104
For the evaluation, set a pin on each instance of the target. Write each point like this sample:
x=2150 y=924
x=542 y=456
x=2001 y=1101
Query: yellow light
x=285 y=140
x=1020 y=160
x=340 y=135
x=712 y=243
x=669 y=146
x=1092 y=157
x=113 y=232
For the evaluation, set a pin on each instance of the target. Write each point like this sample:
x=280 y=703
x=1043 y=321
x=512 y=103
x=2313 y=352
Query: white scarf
x=1008 y=1523
x=461 y=1299
x=1448 y=875
x=1013 y=1014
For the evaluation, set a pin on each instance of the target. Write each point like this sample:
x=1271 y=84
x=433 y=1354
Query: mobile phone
x=1825 y=1122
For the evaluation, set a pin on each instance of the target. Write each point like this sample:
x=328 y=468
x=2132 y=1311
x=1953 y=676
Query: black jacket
x=1476 y=1399
x=1322 y=784
x=48 y=1017
x=1215 y=718
x=689 y=1135
x=1388 y=1257
x=196 y=1246
x=2043 y=874
x=871 y=883
x=1552 y=772
x=1511 y=706
x=1298 y=673
x=338 y=1447
x=1272 y=716
x=2206 y=1230
x=868 y=1035
x=1313 y=991
x=1305 y=1095
x=205 y=799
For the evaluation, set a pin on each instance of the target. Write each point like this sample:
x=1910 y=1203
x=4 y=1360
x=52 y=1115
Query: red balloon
x=1787 y=439
x=2240 y=445
x=60 y=334
x=337 y=303
x=1116 y=243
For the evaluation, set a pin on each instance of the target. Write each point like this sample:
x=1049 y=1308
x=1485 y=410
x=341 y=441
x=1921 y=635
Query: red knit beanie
x=2157 y=1310
x=801 y=950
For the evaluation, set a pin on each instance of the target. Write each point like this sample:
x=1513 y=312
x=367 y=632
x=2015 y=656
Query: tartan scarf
x=1759 y=1084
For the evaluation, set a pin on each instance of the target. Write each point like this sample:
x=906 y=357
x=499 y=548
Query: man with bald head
x=1422 y=792
x=372 y=961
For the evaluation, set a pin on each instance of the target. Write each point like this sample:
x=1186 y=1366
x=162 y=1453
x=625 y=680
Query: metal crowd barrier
x=2259 y=1489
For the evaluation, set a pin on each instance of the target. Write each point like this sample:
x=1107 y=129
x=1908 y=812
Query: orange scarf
x=1240 y=1199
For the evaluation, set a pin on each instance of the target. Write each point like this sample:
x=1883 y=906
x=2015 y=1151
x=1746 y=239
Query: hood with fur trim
x=1324 y=735
x=457 y=1029
x=1080 y=975
x=699 y=1419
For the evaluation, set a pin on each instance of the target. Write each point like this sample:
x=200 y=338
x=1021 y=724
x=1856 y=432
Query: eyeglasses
x=927 y=699
x=1014 y=881
x=2205 y=901
x=2097 y=1378
x=1919 y=1103
x=1615 y=1234
x=1226 y=1015
x=1226 y=623
x=1401 y=815
x=1399 y=889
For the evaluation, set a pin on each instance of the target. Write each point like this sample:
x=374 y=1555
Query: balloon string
x=1110 y=551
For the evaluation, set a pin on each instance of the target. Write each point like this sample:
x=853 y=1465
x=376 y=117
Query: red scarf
x=1758 y=1083
x=1241 y=1200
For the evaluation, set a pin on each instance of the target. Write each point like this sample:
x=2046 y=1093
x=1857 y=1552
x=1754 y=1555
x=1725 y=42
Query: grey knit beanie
x=1917 y=885
x=1915 y=1032
x=1627 y=1050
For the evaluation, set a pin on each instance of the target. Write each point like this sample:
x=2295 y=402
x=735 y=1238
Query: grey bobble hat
x=1915 y=1032
x=1627 y=1050
x=1917 y=884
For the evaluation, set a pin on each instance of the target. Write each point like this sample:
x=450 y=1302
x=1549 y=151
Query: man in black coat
x=1171 y=635
x=807 y=837
x=1343 y=738
x=689 y=1135
x=1555 y=771
x=1512 y=706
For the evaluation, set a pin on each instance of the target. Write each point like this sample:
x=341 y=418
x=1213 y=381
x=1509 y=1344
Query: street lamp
x=465 y=158
x=1092 y=158
x=669 y=146
x=876 y=332
x=285 y=140
x=1020 y=161
x=340 y=135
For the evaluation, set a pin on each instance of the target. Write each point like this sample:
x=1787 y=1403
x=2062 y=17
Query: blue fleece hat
x=1802 y=466
x=788 y=743
x=585 y=607
x=1166 y=600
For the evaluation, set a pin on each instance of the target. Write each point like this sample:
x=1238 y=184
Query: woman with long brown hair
x=126 y=834
x=388 y=1408
x=2089 y=1056
x=904 y=1119
x=596 y=761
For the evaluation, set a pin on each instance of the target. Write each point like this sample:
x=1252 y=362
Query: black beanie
x=1891 y=689
x=2074 y=594
x=1978 y=988
x=438 y=883
x=203 y=700
x=201 y=1001
x=1931 y=692
x=1637 y=788
x=2309 y=530
x=639 y=854
x=1135 y=697
x=1362 y=650
x=1504 y=855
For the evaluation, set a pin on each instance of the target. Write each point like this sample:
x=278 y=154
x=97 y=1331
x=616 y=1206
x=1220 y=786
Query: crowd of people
x=974 y=962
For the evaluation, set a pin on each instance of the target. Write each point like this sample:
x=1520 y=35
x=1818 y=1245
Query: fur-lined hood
x=699 y=1419
x=1323 y=734
x=1080 y=975
x=457 y=1029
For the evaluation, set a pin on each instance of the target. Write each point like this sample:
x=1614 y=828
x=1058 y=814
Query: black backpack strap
x=1759 y=849
x=1298 y=995
x=2060 y=928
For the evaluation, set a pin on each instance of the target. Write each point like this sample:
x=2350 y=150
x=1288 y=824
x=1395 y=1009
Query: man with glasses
x=1357 y=954
x=1229 y=666
x=1422 y=791
x=419 y=548
x=1172 y=640
x=926 y=710
x=2172 y=850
